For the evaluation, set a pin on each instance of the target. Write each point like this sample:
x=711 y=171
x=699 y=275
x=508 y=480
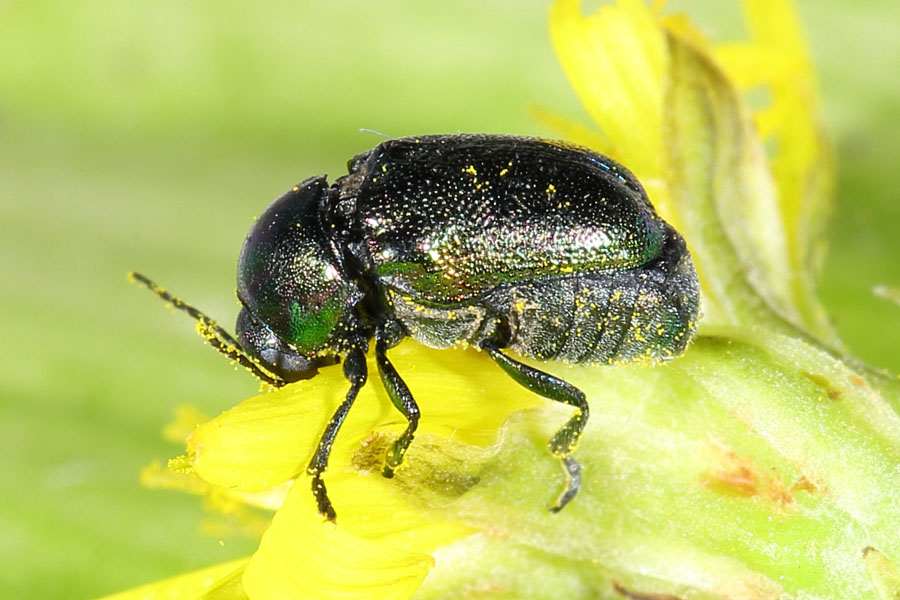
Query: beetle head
x=296 y=295
x=277 y=357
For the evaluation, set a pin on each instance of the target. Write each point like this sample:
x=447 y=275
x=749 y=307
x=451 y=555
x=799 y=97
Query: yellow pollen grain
x=551 y=189
x=503 y=172
x=471 y=170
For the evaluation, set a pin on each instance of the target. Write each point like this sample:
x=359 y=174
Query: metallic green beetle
x=540 y=248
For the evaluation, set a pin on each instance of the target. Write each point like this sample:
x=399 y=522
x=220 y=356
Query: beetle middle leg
x=564 y=441
x=401 y=398
x=356 y=372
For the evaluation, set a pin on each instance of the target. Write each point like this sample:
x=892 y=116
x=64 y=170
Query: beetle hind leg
x=564 y=441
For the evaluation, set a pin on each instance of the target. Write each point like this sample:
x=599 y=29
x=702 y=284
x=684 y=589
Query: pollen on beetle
x=470 y=170
x=332 y=273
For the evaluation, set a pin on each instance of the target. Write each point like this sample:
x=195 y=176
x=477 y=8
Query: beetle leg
x=564 y=441
x=355 y=371
x=402 y=399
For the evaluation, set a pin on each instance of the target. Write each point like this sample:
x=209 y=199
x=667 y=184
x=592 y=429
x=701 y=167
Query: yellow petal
x=270 y=438
x=304 y=556
x=750 y=65
x=384 y=531
x=572 y=130
x=616 y=60
x=189 y=586
x=674 y=118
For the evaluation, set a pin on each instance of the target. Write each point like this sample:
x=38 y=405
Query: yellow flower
x=757 y=465
x=675 y=118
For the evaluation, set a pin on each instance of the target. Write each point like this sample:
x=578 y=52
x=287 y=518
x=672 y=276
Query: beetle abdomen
x=646 y=314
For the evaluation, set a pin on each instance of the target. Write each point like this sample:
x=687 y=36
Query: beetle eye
x=277 y=357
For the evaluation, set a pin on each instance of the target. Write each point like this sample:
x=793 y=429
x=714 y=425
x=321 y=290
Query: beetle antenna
x=378 y=133
x=217 y=337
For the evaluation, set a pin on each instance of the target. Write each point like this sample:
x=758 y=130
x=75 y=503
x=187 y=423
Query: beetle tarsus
x=323 y=504
x=573 y=483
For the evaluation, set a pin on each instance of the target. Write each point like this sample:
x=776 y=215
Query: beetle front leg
x=356 y=372
x=564 y=441
x=401 y=398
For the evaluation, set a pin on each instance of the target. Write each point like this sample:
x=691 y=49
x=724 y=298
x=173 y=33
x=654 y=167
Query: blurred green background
x=147 y=135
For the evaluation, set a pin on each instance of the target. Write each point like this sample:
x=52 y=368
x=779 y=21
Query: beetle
x=512 y=245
